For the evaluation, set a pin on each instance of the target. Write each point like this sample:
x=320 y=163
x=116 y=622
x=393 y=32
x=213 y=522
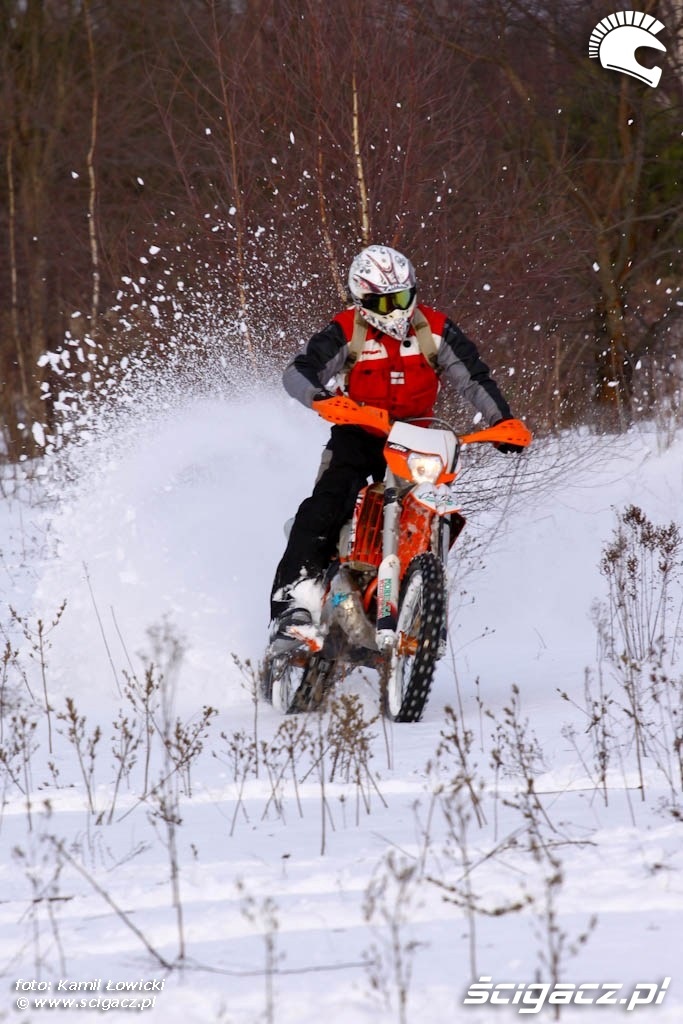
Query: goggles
x=384 y=304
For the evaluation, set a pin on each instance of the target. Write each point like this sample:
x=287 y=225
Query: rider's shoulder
x=434 y=317
x=346 y=320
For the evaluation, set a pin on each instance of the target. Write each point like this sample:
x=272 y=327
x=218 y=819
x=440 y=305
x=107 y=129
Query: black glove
x=503 y=446
x=321 y=395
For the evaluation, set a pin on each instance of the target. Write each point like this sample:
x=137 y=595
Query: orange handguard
x=346 y=412
x=507 y=432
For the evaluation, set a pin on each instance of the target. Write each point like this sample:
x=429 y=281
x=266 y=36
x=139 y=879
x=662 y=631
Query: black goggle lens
x=384 y=304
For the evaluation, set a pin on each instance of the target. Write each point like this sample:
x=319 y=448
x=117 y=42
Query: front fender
x=436 y=497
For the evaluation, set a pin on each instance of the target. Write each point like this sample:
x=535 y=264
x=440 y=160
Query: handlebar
x=345 y=412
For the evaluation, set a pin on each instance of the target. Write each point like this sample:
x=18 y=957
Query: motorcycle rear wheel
x=295 y=683
x=422 y=608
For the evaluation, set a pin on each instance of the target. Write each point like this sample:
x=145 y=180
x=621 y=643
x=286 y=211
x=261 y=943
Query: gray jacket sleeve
x=310 y=370
x=462 y=367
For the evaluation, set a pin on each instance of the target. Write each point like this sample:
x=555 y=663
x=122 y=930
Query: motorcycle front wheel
x=422 y=608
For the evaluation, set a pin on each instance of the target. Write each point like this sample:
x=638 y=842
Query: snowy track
x=178 y=520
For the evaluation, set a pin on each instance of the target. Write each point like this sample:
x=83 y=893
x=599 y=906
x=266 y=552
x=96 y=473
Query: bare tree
x=260 y=144
x=610 y=150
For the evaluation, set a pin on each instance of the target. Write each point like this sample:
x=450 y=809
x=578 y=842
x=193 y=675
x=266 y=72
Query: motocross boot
x=294 y=630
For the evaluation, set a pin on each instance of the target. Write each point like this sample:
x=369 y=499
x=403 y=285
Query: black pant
x=356 y=455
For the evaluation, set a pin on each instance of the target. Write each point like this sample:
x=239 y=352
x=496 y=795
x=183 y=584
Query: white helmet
x=382 y=285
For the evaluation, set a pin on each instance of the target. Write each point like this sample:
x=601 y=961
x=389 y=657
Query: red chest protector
x=392 y=374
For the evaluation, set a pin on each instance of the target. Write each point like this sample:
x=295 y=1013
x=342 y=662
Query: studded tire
x=295 y=684
x=422 y=609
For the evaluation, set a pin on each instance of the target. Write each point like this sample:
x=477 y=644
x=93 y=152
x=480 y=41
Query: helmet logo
x=615 y=39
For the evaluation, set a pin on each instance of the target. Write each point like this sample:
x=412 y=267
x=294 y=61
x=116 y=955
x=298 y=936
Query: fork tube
x=392 y=511
x=388 y=572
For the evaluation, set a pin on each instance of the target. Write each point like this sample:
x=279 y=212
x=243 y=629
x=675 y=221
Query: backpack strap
x=423 y=332
x=360 y=330
x=425 y=339
x=358 y=336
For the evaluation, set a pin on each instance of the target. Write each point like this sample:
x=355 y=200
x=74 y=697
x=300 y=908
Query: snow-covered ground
x=300 y=894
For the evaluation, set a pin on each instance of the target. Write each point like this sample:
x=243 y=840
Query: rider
x=390 y=351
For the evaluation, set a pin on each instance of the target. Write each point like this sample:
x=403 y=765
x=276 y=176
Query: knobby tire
x=309 y=683
x=422 y=608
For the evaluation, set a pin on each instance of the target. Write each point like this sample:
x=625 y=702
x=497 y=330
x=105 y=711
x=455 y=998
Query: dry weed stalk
x=350 y=740
x=390 y=900
x=252 y=676
x=641 y=563
x=555 y=944
x=9 y=699
x=263 y=916
x=519 y=752
x=43 y=872
x=241 y=754
x=16 y=758
x=39 y=645
x=84 y=745
x=125 y=743
x=458 y=793
x=144 y=697
x=316 y=746
x=518 y=749
x=181 y=745
x=597 y=712
x=289 y=741
x=62 y=852
x=638 y=630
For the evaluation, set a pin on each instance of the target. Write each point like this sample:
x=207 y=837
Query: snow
x=161 y=534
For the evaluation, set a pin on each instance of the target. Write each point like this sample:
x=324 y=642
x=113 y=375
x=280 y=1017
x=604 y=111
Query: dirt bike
x=385 y=603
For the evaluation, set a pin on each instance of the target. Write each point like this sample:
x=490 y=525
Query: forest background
x=159 y=158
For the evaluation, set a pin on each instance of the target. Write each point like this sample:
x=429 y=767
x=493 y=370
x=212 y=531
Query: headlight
x=425 y=468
